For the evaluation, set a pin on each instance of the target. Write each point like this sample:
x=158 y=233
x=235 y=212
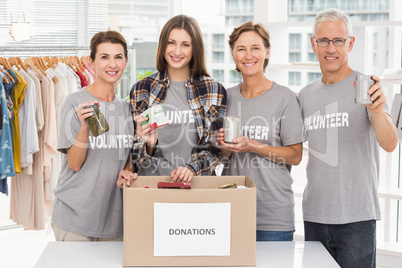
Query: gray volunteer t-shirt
x=343 y=166
x=88 y=202
x=176 y=140
x=273 y=118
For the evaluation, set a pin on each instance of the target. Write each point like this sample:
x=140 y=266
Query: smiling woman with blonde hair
x=271 y=138
x=88 y=206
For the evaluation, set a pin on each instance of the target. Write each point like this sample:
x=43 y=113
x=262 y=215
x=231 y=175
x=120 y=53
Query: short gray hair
x=332 y=14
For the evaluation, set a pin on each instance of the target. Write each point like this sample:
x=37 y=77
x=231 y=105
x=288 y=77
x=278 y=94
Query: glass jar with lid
x=97 y=122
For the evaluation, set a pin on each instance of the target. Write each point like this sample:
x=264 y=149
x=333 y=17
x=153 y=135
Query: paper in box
x=156 y=116
x=230 y=220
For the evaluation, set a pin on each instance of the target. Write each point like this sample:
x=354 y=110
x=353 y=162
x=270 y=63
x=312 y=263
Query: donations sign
x=192 y=229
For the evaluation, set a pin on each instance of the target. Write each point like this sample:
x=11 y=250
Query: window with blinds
x=55 y=23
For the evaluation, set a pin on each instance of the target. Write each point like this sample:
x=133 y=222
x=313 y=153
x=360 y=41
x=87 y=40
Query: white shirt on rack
x=27 y=117
x=39 y=107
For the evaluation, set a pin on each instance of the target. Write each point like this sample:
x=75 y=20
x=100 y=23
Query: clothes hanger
x=48 y=62
x=5 y=80
x=83 y=61
x=21 y=64
x=5 y=71
x=76 y=63
x=5 y=63
x=54 y=60
x=38 y=65
x=29 y=63
x=41 y=61
x=13 y=62
x=68 y=62
x=77 y=60
x=88 y=64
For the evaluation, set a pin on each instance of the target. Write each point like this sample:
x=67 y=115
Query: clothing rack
x=46 y=48
x=28 y=51
x=41 y=48
x=57 y=51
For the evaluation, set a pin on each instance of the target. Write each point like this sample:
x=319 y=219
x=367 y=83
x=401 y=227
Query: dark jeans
x=351 y=245
x=275 y=235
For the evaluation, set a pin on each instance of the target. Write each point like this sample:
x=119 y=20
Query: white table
x=110 y=255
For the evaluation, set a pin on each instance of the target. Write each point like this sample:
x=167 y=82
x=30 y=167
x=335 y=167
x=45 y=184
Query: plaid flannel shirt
x=207 y=100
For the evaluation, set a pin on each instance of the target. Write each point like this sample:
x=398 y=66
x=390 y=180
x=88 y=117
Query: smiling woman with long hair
x=193 y=102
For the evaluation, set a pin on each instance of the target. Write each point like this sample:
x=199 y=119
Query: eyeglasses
x=338 y=42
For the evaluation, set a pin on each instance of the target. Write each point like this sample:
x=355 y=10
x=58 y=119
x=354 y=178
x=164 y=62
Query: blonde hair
x=107 y=37
x=250 y=27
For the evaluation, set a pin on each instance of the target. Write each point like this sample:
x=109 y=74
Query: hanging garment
x=8 y=87
x=50 y=129
x=71 y=80
x=27 y=120
x=60 y=93
x=77 y=80
x=18 y=97
x=90 y=70
x=9 y=90
x=6 y=150
x=10 y=104
x=38 y=107
x=89 y=76
x=84 y=83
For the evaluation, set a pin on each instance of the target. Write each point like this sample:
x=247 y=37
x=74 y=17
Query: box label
x=192 y=229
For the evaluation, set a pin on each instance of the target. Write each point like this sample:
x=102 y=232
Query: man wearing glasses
x=340 y=202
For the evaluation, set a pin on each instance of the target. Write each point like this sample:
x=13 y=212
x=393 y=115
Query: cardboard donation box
x=201 y=226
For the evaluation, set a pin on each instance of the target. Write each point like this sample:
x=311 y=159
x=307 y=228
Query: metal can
x=228 y=186
x=97 y=122
x=363 y=83
x=232 y=127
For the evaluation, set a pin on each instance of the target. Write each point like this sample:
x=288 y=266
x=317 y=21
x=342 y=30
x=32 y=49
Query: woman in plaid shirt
x=193 y=102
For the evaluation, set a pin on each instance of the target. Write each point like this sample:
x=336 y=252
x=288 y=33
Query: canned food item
x=232 y=128
x=97 y=122
x=363 y=84
x=228 y=186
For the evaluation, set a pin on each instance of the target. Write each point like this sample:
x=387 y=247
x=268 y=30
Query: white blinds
x=53 y=23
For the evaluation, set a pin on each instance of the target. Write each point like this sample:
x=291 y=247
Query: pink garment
x=50 y=129
x=84 y=83
x=89 y=76
x=90 y=70
x=27 y=198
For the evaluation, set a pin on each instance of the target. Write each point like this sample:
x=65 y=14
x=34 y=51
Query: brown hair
x=190 y=25
x=107 y=37
x=250 y=27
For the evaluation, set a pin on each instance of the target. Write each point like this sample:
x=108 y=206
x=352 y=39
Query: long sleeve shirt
x=207 y=100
